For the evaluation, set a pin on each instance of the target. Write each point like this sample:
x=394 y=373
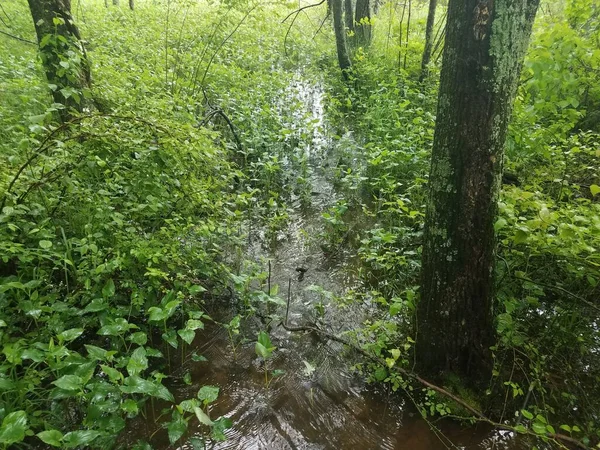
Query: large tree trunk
x=62 y=53
x=485 y=46
x=340 y=38
x=428 y=39
x=349 y=14
x=363 y=22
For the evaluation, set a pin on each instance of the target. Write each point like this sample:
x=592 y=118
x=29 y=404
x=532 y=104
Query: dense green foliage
x=119 y=227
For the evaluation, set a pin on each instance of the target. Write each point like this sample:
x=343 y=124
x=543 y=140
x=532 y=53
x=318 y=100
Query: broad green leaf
x=156 y=314
x=208 y=394
x=595 y=189
x=176 y=429
x=130 y=406
x=96 y=353
x=45 y=244
x=380 y=374
x=69 y=382
x=218 y=428
x=70 y=335
x=108 y=291
x=80 y=438
x=113 y=374
x=137 y=361
x=96 y=305
x=202 y=417
x=51 y=437
x=171 y=338
x=187 y=335
x=139 y=338
x=13 y=429
x=194 y=324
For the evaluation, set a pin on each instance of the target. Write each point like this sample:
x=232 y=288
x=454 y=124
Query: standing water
x=318 y=402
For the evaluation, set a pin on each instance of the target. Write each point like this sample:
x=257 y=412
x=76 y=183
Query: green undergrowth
x=119 y=228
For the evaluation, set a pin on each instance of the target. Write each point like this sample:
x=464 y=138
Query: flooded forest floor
x=315 y=398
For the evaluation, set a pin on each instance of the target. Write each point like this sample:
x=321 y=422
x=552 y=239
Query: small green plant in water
x=264 y=349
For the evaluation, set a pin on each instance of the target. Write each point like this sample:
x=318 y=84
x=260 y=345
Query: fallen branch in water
x=479 y=416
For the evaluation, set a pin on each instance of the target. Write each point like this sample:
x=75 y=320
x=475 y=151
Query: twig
x=224 y=42
x=299 y=10
x=478 y=414
x=17 y=38
x=561 y=289
x=321 y=26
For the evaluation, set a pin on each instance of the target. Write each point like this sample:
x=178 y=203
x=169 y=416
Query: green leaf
x=96 y=353
x=171 y=338
x=51 y=437
x=113 y=374
x=380 y=374
x=194 y=324
x=156 y=314
x=96 y=305
x=262 y=351
x=14 y=426
x=202 y=417
x=136 y=385
x=130 y=406
x=176 y=429
x=80 y=438
x=595 y=189
x=139 y=338
x=219 y=427
x=198 y=358
x=69 y=382
x=208 y=394
x=539 y=428
x=70 y=335
x=520 y=236
x=395 y=308
x=108 y=291
x=45 y=244
x=187 y=335
x=138 y=362
x=526 y=414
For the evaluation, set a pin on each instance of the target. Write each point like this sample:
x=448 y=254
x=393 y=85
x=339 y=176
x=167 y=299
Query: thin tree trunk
x=349 y=14
x=131 y=5
x=485 y=46
x=115 y=2
x=340 y=38
x=428 y=39
x=363 y=22
x=59 y=40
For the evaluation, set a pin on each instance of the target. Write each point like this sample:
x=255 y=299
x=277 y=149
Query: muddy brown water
x=332 y=407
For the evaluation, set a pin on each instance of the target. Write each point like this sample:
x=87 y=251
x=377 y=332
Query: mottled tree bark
x=340 y=37
x=363 y=22
x=131 y=5
x=349 y=14
x=485 y=46
x=62 y=53
x=428 y=39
